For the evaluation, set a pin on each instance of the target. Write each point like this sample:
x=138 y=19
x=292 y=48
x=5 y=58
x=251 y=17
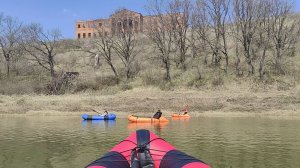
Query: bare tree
x=211 y=17
x=180 y=11
x=103 y=43
x=262 y=41
x=285 y=32
x=159 y=29
x=1 y=20
x=234 y=29
x=42 y=46
x=10 y=34
x=218 y=16
x=246 y=15
x=124 y=44
x=200 y=30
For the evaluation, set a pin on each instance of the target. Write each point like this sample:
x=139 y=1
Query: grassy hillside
x=30 y=78
x=214 y=93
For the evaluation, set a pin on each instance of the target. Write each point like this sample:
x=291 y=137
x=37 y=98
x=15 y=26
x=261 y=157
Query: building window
x=136 y=26
x=78 y=25
x=125 y=24
x=130 y=24
x=90 y=35
x=78 y=36
x=83 y=35
x=100 y=24
x=119 y=27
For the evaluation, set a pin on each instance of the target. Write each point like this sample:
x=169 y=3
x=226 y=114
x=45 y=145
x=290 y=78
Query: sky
x=63 y=14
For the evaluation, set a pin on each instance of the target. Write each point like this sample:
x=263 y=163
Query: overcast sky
x=62 y=14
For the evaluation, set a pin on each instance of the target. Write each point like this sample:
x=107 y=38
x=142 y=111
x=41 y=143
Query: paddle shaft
x=95 y=111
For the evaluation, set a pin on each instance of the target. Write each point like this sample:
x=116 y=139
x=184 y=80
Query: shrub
x=107 y=80
x=151 y=78
x=218 y=81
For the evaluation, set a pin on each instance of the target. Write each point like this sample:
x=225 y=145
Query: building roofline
x=126 y=10
x=94 y=20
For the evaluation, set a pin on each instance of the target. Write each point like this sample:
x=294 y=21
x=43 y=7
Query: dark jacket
x=157 y=115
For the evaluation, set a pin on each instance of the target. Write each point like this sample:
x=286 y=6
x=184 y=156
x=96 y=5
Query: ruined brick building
x=121 y=20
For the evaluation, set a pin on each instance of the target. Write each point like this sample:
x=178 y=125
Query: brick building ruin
x=121 y=20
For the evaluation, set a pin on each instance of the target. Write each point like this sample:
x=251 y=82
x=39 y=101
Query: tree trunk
x=225 y=52
x=8 y=68
x=261 y=66
x=278 y=62
x=167 y=66
x=182 y=60
x=97 y=61
x=238 y=60
x=251 y=70
x=127 y=72
x=52 y=72
x=113 y=69
x=51 y=63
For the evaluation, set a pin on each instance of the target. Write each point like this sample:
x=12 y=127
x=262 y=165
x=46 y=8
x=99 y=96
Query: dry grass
x=215 y=94
x=228 y=102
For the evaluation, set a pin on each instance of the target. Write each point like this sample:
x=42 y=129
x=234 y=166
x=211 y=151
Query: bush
x=107 y=80
x=125 y=86
x=198 y=83
x=218 y=81
x=166 y=86
x=82 y=85
x=151 y=78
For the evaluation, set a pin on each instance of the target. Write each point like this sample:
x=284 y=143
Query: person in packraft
x=158 y=114
x=185 y=110
x=105 y=113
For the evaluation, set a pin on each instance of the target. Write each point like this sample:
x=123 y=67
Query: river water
x=65 y=142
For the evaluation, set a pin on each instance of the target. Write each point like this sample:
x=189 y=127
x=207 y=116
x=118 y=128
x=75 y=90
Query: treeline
x=241 y=37
x=255 y=31
x=254 y=36
x=27 y=42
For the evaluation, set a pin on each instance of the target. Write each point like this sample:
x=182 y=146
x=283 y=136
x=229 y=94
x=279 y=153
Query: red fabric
x=158 y=148
x=126 y=145
x=196 y=165
x=160 y=145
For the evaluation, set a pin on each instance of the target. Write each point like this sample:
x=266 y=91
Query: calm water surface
x=64 y=142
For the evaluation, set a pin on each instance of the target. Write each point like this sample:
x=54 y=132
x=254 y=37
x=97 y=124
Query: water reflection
x=59 y=142
x=156 y=126
x=98 y=123
x=180 y=119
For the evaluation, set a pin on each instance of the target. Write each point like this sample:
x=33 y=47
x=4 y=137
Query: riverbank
x=219 y=102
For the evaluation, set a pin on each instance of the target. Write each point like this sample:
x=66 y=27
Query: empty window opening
x=130 y=24
x=83 y=35
x=78 y=36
